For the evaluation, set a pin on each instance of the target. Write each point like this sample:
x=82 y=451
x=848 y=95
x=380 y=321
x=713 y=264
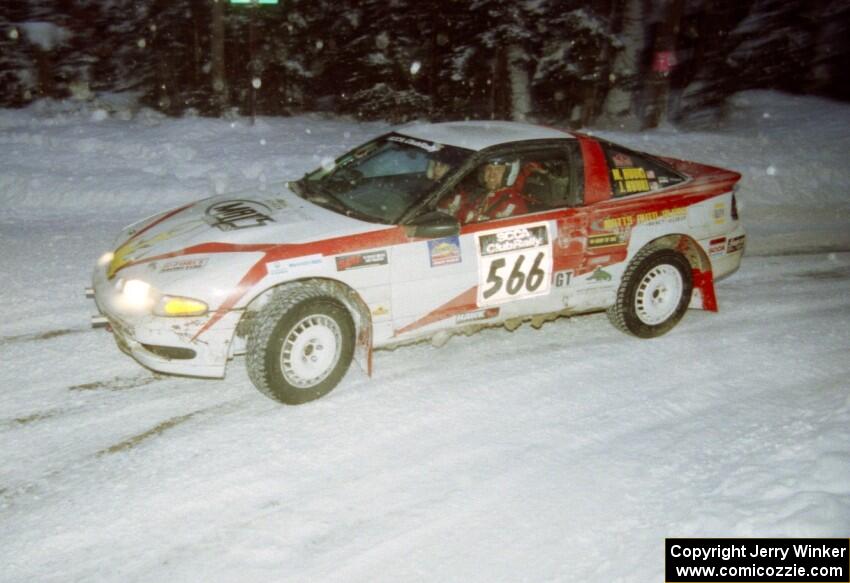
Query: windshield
x=382 y=179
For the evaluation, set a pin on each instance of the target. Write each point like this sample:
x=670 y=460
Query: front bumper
x=167 y=345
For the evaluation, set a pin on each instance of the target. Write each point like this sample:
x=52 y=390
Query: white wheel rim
x=658 y=294
x=310 y=351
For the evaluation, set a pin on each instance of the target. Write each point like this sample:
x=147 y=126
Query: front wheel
x=300 y=348
x=654 y=293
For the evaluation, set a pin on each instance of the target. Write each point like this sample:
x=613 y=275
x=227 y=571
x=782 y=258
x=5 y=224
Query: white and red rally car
x=425 y=231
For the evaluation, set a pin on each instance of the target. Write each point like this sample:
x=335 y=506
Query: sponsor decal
x=513 y=263
x=477 y=315
x=444 y=251
x=358 y=260
x=719 y=213
x=600 y=274
x=135 y=249
x=717 y=246
x=230 y=215
x=608 y=240
x=735 y=244
x=427 y=146
x=276 y=203
x=620 y=160
x=663 y=216
x=516 y=239
x=628 y=180
x=380 y=310
x=183 y=264
x=618 y=223
x=288 y=265
x=563 y=278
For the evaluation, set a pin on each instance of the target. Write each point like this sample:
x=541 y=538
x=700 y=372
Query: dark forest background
x=575 y=62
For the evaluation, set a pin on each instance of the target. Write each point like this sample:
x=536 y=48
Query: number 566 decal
x=513 y=263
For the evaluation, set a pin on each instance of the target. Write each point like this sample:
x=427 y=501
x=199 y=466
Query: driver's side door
x=493 y=268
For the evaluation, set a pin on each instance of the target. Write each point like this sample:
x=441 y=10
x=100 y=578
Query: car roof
x=477 y=135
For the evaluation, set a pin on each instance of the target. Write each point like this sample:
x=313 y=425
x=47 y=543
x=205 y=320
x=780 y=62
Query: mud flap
x=363 y=348
x=703 y=296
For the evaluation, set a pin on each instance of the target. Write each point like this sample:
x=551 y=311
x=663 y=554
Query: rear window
x=633 y=173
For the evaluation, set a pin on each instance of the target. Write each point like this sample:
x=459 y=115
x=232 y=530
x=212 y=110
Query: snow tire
x=654 y=293
x=286 y=343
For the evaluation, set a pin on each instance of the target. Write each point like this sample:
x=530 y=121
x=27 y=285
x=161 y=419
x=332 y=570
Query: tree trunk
x=219 y=80
x=618 y=102
x=500 y=86
x=520 y=83
x=44 y=72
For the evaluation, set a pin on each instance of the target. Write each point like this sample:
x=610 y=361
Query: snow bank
x=71 y=158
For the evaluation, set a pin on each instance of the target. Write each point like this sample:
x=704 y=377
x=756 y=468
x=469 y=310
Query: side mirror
x=432 y=225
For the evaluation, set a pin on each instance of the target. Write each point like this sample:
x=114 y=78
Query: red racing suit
x=472 y=207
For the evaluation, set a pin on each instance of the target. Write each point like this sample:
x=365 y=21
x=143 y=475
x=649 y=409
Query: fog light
x=177 y=306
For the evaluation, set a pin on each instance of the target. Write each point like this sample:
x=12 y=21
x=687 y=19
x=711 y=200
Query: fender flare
x=704 y=296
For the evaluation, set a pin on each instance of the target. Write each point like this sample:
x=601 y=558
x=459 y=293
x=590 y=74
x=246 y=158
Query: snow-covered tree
x=629 y=25
x=572 y=74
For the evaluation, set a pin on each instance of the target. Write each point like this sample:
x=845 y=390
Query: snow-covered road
x=565 y=453
x=561 y=454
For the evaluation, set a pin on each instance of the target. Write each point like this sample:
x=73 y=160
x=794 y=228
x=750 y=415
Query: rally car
x=426 y=231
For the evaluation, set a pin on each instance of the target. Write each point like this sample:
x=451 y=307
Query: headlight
x=177 y=306
x=136 y=293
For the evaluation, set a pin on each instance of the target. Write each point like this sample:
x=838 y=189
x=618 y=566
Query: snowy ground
x=567 y=453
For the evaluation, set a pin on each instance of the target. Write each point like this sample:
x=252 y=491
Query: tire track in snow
x=214 y=411
x=39 y=336
x=119 y=383
x=10 y=492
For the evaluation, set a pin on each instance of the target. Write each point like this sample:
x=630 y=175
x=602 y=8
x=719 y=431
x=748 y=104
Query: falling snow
x=566 y=453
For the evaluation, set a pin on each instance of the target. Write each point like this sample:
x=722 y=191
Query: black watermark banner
x=757 y=560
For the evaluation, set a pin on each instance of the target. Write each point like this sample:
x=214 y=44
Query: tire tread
x=283 y=300
x=622 y=306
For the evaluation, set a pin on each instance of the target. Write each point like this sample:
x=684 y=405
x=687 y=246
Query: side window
x=515 y=184
x=635 y=174
x=551 y=180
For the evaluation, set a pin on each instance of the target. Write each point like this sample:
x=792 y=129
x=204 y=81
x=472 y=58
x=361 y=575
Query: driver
x=497 y=194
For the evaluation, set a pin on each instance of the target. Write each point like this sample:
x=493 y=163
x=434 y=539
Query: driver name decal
x=230 y=215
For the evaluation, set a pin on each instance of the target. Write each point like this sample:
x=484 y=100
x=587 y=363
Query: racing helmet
x=511 y=170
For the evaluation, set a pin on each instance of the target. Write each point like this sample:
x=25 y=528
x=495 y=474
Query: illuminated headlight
x=177 y=306
x=136 y=293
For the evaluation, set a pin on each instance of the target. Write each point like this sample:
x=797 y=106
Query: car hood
x=273 y=216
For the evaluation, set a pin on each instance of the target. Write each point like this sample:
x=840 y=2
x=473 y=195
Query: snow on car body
x=406 y=237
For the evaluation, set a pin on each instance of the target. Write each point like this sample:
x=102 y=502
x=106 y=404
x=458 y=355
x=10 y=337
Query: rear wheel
x=654 y=293
x=300 y=346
